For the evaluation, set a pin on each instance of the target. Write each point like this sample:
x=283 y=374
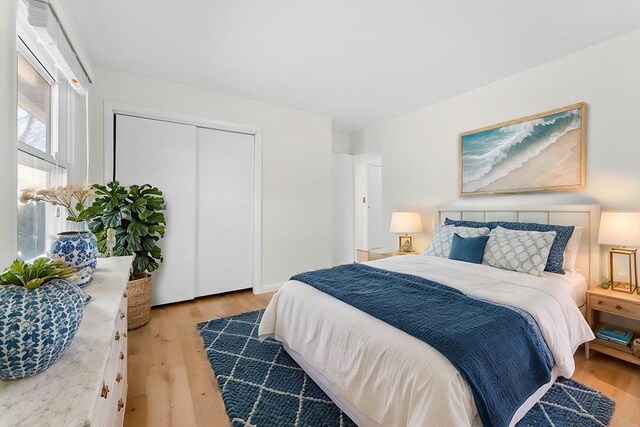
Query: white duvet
x=394 y=379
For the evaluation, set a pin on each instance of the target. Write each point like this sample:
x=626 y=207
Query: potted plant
x=77 y=248
x=40 y=312
x=130 y=221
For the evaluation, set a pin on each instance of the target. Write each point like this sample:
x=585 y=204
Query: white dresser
x=87 y=386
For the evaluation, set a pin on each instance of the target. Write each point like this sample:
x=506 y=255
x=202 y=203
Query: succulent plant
x=35 y=274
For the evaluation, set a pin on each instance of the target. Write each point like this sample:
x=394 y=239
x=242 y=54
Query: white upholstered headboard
x=587 y=216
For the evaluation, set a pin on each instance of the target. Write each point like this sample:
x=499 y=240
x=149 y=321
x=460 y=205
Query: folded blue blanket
x=498 y=350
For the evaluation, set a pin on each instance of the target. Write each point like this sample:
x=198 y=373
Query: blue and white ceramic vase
x=79 y=249
x=37 y=325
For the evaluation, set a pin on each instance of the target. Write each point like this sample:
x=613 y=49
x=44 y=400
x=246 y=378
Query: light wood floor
x=171 y=382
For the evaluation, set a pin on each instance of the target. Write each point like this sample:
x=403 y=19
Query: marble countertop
x=64 y=394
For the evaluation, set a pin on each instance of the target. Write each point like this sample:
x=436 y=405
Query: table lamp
x=405 y=222
x=621 y=230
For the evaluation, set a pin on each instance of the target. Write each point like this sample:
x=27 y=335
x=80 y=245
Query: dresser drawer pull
x=618 y=307
x=105 y=391
x=121 y=315
x=121 y=356
x=599 y=302
x=120 y=404
x=118 y=377
x=117 y=336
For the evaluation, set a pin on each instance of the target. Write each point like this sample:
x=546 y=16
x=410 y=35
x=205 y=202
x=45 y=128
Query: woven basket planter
x=139 y=302
x=636 y=347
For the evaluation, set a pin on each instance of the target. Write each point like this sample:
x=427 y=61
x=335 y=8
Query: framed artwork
x=542 y=152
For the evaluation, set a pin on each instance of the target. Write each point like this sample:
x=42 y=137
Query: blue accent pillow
x=555 y=261
x=470 y=249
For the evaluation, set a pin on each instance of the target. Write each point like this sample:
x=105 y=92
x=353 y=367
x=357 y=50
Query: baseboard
x=266 y=289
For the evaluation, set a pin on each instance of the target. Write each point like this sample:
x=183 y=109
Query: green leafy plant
x=136 y=214
x=35 y=274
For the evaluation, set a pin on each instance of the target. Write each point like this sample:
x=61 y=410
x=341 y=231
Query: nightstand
x=619 y=304
x=374 y=254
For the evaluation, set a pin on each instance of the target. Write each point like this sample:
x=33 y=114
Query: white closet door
x=224 y=234
x=163 y=154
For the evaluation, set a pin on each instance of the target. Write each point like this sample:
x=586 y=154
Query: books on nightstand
x=615 y=334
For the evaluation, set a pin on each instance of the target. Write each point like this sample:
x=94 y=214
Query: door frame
x=111 y=108
x=369 y=165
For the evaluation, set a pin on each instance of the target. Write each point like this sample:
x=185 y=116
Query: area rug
x=263 y=386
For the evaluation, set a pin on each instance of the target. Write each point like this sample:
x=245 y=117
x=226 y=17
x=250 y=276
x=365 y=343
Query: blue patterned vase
x=80 y=250
x=37 y=325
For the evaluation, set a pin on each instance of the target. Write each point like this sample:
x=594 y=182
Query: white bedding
x=575 y=284
x=394 y=379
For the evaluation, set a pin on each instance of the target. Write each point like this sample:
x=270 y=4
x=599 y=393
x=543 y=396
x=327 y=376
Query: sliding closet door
x=163 y=154
x=225 y=196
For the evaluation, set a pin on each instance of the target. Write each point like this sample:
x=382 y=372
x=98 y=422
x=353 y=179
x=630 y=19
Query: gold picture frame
x=405 y=243
x=487 y=159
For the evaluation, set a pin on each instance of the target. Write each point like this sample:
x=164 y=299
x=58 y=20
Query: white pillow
x=441 y=243
x=519 y=250
x=571 y=251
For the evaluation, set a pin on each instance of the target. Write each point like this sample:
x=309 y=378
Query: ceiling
x=361 y=62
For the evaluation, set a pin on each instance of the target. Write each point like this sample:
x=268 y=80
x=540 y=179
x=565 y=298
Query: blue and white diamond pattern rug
x=263 y=386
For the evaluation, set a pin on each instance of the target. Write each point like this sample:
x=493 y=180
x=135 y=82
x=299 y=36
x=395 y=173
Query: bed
x=381 y=376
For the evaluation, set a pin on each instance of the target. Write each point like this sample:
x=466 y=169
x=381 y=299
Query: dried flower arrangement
x=74 y=198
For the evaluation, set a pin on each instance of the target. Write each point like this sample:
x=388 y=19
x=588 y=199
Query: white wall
x=420 y=149
x=341 y=143
x=342 y=201
x=296 y=182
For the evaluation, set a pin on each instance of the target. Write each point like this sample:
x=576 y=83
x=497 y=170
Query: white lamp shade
x=405 y=222
x=620 y=229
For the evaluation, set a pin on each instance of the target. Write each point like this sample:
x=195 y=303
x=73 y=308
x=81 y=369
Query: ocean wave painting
x=535 y=153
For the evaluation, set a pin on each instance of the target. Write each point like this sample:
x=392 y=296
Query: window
x=38 y=166
x=34 y=107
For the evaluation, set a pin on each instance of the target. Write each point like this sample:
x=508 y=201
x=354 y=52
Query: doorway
x=368 y=218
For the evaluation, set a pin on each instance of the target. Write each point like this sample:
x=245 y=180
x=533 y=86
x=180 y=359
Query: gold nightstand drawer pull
x=105 y=391
x=618 y=307
x=599 y=302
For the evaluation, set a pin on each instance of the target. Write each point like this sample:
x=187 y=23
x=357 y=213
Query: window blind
x=45 y=22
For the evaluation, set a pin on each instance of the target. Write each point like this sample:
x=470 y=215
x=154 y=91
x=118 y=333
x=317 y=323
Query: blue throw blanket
x=498 y=350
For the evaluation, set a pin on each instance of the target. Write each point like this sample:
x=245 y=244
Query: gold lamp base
x=632 y=285
x=405 y=243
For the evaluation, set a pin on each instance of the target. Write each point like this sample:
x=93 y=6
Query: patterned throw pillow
x=441 y=243
x=555 y=260
x=524 y=251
